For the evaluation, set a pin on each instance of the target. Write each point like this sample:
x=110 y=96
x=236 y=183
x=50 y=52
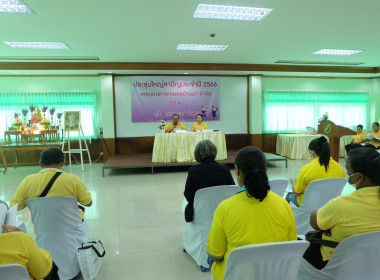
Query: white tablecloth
x=179 y=147
x=295 y=146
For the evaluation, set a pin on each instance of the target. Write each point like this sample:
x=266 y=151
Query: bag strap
x=327 y=243
x=93 y=247
x=50 y=184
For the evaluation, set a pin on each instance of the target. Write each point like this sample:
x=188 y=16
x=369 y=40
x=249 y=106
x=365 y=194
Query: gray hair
x=204 y=150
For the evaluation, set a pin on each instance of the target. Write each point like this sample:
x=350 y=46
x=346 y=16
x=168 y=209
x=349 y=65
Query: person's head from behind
x=375 y=127
x=205 y=150
x=320 y=148
x=175 y=119
x=199 y=118
x=359 y=128
x=51 y=157
x=251 y=167
x=363 y=167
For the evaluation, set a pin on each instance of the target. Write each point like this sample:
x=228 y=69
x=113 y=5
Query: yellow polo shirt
x=242 y=220
x=314 y=171
x=65 y=185
x=20 y=248
x=171 y=126
x=198 y=126
x=355 y=213
x=358 y=138
x=376 y=134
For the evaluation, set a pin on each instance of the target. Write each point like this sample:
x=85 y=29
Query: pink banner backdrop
x=157 y=98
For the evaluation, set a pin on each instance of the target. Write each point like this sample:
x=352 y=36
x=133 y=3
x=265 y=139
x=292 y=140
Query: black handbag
x=315 y=237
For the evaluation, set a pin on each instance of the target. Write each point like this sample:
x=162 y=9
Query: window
x=294 y=111
x=11 y=103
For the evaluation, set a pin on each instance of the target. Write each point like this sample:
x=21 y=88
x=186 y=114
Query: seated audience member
x=357 y=139
x=199 y=125
x=32 y=186
x=19 y=248
x=375 y=133
x=355 y=213
x=254 y=215
x=175 y=124
x=322 y=167
x=208 y=173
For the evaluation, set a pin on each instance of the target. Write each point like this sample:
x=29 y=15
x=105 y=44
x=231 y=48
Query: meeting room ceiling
x=141 y=37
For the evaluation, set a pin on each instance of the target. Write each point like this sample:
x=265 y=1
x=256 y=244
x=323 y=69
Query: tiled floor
x=138 y=217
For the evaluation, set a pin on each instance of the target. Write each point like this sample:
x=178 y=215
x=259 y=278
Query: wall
x=233 y=103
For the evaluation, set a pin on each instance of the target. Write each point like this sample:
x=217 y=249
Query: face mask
x=348 y=178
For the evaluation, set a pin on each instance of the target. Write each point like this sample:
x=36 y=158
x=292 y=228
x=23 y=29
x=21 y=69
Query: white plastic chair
x=267 y=261
x=355 y=258
x=278 y=186
x=13 y=272
x=196 y=233
x=317 y=194
x=59 y=229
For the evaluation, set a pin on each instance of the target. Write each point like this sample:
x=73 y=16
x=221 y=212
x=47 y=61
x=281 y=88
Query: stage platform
x=144 y=160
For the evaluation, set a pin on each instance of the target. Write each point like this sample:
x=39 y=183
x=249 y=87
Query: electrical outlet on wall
x=101 y=132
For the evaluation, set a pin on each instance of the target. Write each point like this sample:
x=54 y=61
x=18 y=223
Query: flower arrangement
x=162 y=124
x=44 y=109
x=45 y=122
x=16 y=115
x=324 y=117
x=59 y=115
x=35 y=119
x=52 y=111
x=32 y=108
x=17 y=122
x=24 y=111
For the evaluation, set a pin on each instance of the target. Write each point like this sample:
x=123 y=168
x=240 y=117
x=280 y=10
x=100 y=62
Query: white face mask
x=348 y=178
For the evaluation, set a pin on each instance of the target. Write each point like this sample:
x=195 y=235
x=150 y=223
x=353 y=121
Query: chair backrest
x=60 y=230
x=279 y=186
x=13 y=272
x=268 y=261
x=319 y=192
x=206 y=200
x=356 y=257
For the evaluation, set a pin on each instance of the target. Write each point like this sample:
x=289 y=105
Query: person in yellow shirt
x=375 y=133
x=19 y=248
x=357 y=139
x=175 y=124
x=51 y=161
x=322 y=167
x=355 y=213
x=254 y=215
x=199 y=125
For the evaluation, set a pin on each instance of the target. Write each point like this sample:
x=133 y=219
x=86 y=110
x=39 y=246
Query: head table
x=179 y=147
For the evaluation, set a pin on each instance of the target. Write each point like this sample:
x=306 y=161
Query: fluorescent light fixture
x=38 y=45
x=336 y=52
x=196 y=47
x=14 y=6
x=231 y=12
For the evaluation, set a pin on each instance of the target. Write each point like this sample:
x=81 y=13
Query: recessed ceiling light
x=14 y=6
x=197 y=47
x=185 y=73
x=231 y=12
x=38 y=45
x=336 y=52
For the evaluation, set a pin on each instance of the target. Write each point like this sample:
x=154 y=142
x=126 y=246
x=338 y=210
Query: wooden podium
x=334 y=132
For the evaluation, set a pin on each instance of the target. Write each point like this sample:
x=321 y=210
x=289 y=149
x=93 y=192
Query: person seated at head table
x=352 y=214
x=322 y=167
x=208 y=173
x=51 y=161
x=17 y=247
x=199 y=125
x=175 y=124
x=375 y=133
x=254 y=215
x=357 y=139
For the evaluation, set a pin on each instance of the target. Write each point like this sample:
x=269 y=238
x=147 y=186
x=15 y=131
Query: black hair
x=376 y=123
x=252 y=163
x=51 y=156
x=175 y=115
x=322 y=148
x=200 y=116
x=367 y=162
x=359 y=125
